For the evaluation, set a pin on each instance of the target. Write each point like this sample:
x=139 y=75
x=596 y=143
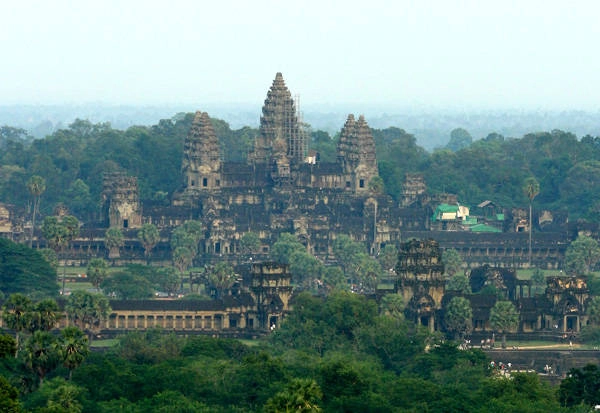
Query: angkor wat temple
x=284 y=187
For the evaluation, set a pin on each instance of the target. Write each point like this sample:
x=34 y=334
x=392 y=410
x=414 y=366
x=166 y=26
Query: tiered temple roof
x=201 y=155
x=279 y=131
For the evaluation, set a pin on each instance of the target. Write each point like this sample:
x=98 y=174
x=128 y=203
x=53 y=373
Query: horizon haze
x=467 y=55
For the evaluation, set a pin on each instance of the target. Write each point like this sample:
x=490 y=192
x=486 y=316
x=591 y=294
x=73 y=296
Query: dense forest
x=73 y=160
x=341 y=353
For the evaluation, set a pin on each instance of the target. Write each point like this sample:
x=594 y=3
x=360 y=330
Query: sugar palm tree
x=36 y=185
x=16 y=312
x=74 y=347
x=531 y=189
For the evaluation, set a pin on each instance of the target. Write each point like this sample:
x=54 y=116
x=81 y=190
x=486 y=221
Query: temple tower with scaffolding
x=280 y=144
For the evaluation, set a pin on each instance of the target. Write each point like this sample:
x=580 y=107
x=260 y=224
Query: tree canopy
x=24 y=270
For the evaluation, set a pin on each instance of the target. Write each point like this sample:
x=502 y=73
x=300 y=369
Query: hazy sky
x=534 y=54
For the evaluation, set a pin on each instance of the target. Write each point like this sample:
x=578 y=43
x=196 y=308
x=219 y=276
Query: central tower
x=280 y=143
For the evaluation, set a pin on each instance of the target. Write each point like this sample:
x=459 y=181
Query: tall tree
x=74 y=347
x=114 y=240
x=459 y=317
x=36 y=185
x=97 y=271
x=388 y=257
x=300 y=396
x=460 y=283
x=149 y=237
x=59 y=232
x=531 y=188
x=282 y=249
x=42 y=354
x=221 y=277
x=392 y=305
x=87 y=310
x=503 y=318
x=126 y=285
x=582 y=255
x=44 y=315
x=24 y=270
x=593 y=311
x=250 y=243
x=16 y=313
x=452 y=261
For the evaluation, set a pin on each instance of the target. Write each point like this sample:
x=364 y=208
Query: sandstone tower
x=201 y=164
x=356 y=154
x=121 y=201
x=421 y=281
x=280 y=145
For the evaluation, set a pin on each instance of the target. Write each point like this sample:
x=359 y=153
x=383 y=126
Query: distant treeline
x=73 y=160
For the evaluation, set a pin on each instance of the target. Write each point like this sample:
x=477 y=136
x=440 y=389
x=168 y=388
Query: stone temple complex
x=281 y=188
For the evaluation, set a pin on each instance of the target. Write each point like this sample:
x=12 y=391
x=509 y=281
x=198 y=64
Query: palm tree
x=59 y=232
x=301 y=395
x=45 y=315
x=114 y=240
x=149 y=236
x=16 y=312
x=74 y=346
x=504 y=317
x=36 y=185
x=87 y=310
x=531 y=189
x=42 y=355
x=97 y=271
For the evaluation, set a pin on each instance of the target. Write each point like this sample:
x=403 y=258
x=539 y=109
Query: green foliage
x=167 y=279
x=127 y=286
x=459 y=283
x=9 y=397
x=149 y=236
x=459 y=139
x=44 y=315
x=582 y=255
x=458 y=316
x=8 y=346
x=60 y=231
x=97 y=271
x=388 y=257
x=284 y=247
x=114 y=240
x=503 y=318
x=150 y=346
x=41 y=353
x=593 y=311
x=452 y=261
x=250 y=243
x=87 y=310
x=74 y=347
x=306 y=270
x=300 y=395
x=392 y=305
x=24 y=270
x=221 y=277
x=581 y=386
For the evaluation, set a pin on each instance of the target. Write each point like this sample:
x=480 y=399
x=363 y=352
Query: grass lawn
x=541 y=345
x=109 y=342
